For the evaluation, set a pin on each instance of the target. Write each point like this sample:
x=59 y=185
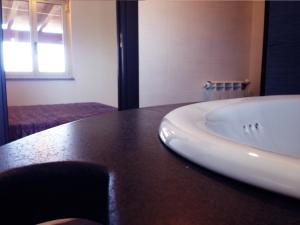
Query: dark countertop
x=149 y=184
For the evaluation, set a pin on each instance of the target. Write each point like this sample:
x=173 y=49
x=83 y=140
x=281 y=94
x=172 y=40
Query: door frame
x=128 y=54
x=265 y=50
x=3 y=97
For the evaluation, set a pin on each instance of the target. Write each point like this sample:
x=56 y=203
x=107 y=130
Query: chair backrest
x=43 y=192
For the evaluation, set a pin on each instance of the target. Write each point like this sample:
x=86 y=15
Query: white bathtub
x=254 y=140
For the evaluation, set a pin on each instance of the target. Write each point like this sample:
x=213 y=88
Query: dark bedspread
x=25 y=120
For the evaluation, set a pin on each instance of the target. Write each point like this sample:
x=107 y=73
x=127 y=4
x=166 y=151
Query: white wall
x=94 y=61
x=257 y=29
x=185 y=43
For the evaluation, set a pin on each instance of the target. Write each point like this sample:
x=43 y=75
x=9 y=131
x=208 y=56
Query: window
x=36 y=39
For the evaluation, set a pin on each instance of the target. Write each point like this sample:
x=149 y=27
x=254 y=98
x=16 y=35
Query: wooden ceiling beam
x=7 y=5
x=12 y=15
x=43 y=18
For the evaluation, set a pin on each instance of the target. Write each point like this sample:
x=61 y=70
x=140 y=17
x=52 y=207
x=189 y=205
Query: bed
x=26 y=120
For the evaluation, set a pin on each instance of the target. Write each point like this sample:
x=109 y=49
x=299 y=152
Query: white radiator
x=214 y=90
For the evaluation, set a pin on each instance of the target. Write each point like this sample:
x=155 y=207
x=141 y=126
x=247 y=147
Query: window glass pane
x=50 y=47
x=17 y=51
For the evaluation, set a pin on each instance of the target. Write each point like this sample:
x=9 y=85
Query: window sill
x=30 y=77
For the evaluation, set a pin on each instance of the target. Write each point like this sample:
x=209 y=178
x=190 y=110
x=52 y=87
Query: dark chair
x=43 y=192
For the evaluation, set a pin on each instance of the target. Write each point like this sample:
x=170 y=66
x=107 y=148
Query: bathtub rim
x=198 y=144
